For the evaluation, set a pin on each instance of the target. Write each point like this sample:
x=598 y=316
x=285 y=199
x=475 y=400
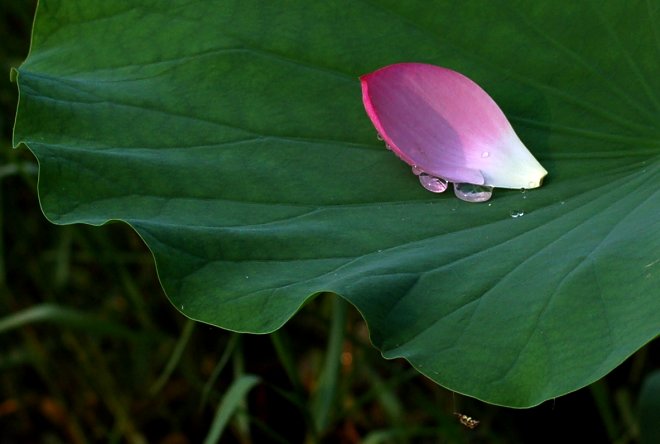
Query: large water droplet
x=432 y=183
x=472 y=193
x=416 y=170
x=517 y=213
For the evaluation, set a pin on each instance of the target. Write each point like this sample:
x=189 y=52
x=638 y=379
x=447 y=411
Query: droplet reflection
x=472 y=193
x=432 y=183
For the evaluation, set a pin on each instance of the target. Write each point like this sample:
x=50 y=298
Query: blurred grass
x=92 y=351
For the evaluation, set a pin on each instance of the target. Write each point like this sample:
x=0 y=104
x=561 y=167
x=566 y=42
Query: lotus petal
x=445 y=125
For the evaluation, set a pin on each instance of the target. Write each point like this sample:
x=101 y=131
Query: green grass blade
x=649 y=409
x=283 y=350
x=222 y=362
x=175 y=357
x=328 y=381
x=67 y=317
x=228 y=406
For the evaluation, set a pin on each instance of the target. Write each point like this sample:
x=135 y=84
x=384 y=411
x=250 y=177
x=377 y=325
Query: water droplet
x=432 y=183
x=379 y=137
x=181 y=306
x=472 y=193
x=485 y=154
x=517 y=213
x=563 y=202
x=416 y=170
x=387 y=145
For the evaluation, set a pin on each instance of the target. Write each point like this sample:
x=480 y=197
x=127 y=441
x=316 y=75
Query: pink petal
x=444 y=124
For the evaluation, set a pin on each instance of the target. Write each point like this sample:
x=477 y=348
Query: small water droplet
x=379 y=137
x=472 y=193
x=181 y=306
x=247 y=277
x=490 y=204
x=416 y=170
x=485 y=154
x=516 y=213
x=432 y=183
x=563 y=202
x=387 y=145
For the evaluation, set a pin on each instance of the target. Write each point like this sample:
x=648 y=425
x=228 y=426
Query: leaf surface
x=231 y=136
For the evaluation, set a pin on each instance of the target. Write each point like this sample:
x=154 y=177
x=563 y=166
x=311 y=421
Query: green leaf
x=231 y=136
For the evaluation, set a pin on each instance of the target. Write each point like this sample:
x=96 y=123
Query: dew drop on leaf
x=517 y=213
x=416 y=170
x=472 y=193
x=432 y=183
